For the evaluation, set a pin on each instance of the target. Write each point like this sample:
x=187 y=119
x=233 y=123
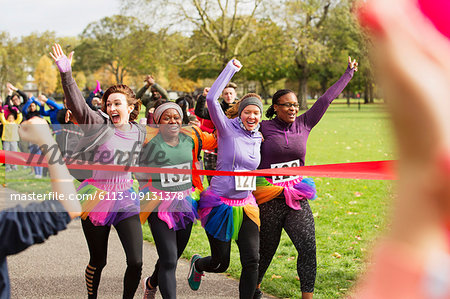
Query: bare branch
x=195 y=57
x=206 y=23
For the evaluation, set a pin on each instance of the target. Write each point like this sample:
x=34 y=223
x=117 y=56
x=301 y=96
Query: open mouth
x=115 y=118
x=251 y=124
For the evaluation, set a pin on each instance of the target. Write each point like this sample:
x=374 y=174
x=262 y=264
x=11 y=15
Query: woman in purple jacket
x=228 y=208
x=283 y=200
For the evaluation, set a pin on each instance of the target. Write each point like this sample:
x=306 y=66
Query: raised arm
x=315 y=113
x=74 y=98
x=53 y=104
x=215 y=111
x=200 y=109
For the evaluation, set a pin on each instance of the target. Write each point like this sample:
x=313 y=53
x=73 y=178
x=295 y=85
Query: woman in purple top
x=228 y=208
x=283 y=200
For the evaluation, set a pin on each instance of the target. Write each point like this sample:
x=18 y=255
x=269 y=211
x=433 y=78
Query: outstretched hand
x=35 y=130
x=352 y=64
x=62 y=61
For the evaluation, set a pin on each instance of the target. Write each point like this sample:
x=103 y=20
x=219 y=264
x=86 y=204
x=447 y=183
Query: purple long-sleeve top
x=285 y=142
x=238 y=148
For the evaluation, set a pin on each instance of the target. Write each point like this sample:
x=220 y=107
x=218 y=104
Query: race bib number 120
x=172 y=179
x=280 y=179
x=244 y=183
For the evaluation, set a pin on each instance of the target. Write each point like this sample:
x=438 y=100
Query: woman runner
x=109 y=132
x=283 y=200
x=228 y=209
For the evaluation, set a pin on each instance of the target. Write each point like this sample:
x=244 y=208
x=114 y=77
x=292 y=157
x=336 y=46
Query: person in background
x=15 y=97
x=228 y=99
x=10 y=134
x=156 y=93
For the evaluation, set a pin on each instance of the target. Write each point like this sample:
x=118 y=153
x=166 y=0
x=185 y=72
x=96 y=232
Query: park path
x=55 y=269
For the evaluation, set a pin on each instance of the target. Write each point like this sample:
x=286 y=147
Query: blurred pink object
x=438 y=11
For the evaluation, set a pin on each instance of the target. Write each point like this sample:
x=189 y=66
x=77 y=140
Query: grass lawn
x=349 y=214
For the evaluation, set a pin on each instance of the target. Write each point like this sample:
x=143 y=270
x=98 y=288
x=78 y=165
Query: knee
x=96 y=265
x=250 y=261
x=221 y=265
x=135 y=265
x=168 y=264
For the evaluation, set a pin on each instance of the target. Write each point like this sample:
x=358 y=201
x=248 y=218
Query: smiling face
x=33 y=107
x=118 y=109
x=15 y=100
x=170 y=123
x=250 y=117
x=287 y=114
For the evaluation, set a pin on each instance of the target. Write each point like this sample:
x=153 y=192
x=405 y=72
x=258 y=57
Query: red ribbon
x=371 y=170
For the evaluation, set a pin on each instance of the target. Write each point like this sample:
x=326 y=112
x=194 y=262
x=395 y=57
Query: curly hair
x=131 y=99
x=234 y=110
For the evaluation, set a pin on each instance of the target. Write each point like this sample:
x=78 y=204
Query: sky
x=65 y=17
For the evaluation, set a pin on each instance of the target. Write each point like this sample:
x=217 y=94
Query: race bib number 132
x=171 y=179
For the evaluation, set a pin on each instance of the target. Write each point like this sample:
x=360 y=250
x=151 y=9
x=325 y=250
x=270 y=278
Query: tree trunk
x=371 y=92
x=366 y=93
x=303 y=93
x=264 y=93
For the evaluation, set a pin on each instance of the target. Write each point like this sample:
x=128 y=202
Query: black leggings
x=170 y=245
x=130 y=234
x=299 y=225
x=248 y=244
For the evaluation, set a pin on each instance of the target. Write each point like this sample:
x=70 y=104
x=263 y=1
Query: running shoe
x=149 y=293
x=258 y=294
x=194 y=277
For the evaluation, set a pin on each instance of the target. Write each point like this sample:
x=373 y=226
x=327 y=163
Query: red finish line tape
x=371 y=170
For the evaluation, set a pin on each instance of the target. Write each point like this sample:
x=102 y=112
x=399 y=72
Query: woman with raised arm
x=109 y=132
x=228 y=209
x=170 y=145
x=283 y=201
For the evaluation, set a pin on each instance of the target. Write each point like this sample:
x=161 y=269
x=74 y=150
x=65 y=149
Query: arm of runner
x=74 y=98
x=318 y=109
x=215 y=110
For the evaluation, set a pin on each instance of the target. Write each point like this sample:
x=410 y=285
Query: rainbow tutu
x=106 y=207
x=222 y=217
x=293 y=191
x=177 y=209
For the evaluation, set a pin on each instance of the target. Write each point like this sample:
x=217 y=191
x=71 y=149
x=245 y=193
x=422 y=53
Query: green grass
x=349 y=214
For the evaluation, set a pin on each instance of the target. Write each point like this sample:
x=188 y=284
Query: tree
x=267 y=58
x=303 y=21
x=119 y=43
x=224 y=26
x=12 y=65
x=45 y=75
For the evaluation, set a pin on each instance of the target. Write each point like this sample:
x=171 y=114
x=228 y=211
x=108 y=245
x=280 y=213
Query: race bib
x=172 y=179
x=286 y=178
x=244 y=183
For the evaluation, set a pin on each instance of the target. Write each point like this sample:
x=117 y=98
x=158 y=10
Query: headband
x=161 y=108
x=250 y=101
